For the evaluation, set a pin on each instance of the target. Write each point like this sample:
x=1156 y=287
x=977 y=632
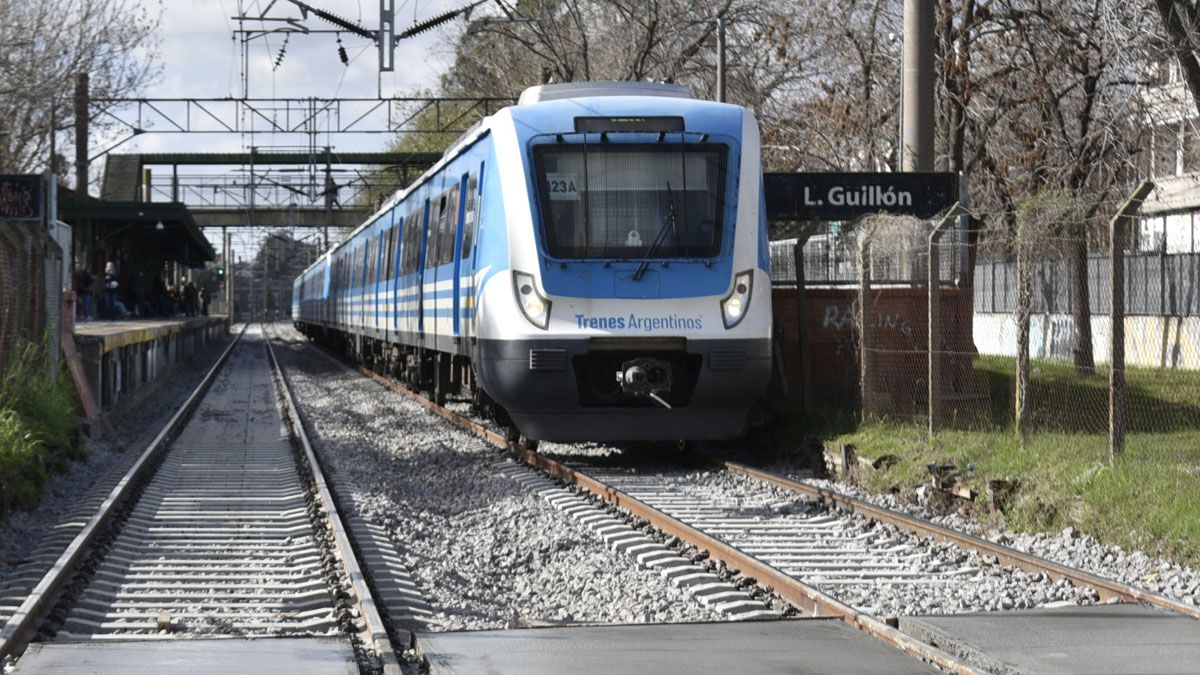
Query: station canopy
x=161 y=230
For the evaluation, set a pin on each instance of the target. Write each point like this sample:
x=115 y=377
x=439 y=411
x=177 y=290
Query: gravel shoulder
x=106 y=462
x=1068 y=547
x=484 y=550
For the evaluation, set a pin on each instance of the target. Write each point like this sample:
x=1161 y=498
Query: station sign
x=21 y=197
x=846 y=196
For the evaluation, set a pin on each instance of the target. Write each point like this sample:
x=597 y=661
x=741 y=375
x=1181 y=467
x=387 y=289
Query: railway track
x=826 y=556
x=224 y=527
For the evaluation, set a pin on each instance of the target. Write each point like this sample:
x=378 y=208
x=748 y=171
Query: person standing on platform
x=113 y=308
x=189 y=299
x=204 y=300
x=158 y=295
x=83 y=286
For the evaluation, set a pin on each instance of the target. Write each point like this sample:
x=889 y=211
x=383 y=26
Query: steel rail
x=376 y=632
x=22 y=625
x=1107 y=588
x=816 y=602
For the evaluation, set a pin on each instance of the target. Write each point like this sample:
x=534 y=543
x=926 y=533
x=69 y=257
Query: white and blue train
x=589 y=264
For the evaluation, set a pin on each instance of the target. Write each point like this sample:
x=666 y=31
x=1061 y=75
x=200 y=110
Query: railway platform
x=746 y=647
x=125 y=361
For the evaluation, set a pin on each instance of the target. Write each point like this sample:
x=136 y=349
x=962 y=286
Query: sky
x=200 y=58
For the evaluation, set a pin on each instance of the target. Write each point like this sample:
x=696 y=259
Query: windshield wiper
x=668 y=220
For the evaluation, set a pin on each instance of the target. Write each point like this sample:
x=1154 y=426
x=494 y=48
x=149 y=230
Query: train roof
x=554 y=92
x=538 y=104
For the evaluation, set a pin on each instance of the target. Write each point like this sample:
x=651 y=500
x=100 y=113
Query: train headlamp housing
x=735 y=305
x=534 y=305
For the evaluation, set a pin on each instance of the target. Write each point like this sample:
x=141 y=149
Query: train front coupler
x=645 y=377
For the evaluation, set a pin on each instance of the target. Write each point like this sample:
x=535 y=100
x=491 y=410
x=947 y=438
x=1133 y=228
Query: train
x=589 y=264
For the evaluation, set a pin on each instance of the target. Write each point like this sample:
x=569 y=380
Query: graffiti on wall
x=842 y=318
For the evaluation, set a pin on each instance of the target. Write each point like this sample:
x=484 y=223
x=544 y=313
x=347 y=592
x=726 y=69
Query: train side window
x=376 y=257
x=369 y=256
x=389 y=266
x=432 y=236
x=430 y=225
x=409 y=247
x=470 y=216
x=450 y=225
x=406 y=245
x=368 y=247
x=414 y=241
x=365 y=250
x=427 y=221
x=385 y=249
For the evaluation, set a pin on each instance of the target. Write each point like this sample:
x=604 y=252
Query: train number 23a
x=563 y=186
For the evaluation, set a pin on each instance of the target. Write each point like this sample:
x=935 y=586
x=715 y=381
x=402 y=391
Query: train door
x=433 y=260
x=360 y=305
x=377 y=274
x=470 y=229
x=324 y=305
x=408 y=267
x=392 y=272
x=426 y=219
x=459 y=215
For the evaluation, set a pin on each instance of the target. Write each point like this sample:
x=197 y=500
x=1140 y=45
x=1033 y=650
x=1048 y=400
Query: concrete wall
x=899 y=328
x=1150 y=341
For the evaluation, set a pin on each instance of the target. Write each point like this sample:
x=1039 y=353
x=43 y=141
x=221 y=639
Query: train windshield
x=632 y=200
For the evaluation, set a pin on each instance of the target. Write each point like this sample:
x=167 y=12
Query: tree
x=543 y=41
x=1181 y=25
x=45 y=44
x=841 y=113
x=1067 y=76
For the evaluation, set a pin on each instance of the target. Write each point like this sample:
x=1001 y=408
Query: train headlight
x=734 y=306
x=535 y=307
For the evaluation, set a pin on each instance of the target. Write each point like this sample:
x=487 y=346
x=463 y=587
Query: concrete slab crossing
x=268 y=656
x=743 y=647
x=1092 y=639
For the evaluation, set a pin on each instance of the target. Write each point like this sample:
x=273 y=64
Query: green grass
x=39 y=431
x=1148 y=499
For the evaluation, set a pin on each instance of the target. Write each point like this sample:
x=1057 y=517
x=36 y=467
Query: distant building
x=1169 y=217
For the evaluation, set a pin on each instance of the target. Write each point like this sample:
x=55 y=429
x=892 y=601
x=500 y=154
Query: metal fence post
x=1117 y=398
x=864 y=325
x=933 y=344
x=1024 y=291
x=801 y=317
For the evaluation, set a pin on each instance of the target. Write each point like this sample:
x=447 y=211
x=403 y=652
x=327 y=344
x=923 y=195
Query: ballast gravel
x=106 y=460
x=955 y=580
x=1068 y=547
x=484 y=551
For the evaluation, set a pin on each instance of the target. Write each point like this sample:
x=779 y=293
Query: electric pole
x=721 y=60
x=81 y=137
x=917 y=116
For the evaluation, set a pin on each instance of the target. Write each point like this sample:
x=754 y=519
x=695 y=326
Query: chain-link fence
x=1024 y=327
x=30 y=288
